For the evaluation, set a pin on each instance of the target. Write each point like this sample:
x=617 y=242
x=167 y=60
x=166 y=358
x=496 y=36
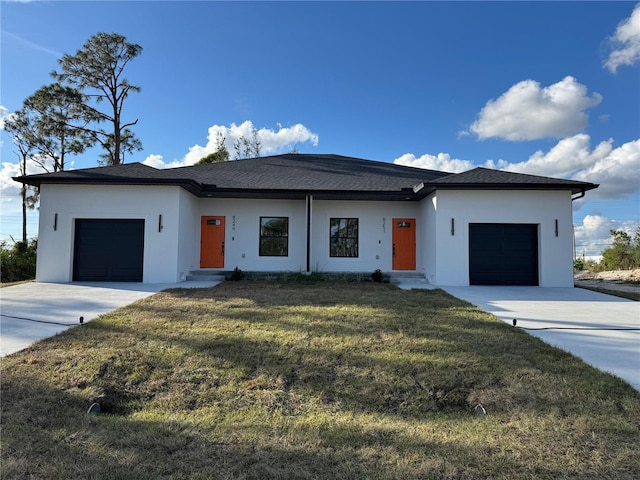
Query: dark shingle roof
x=294 y=175
x=480 y=176
x=308 y=172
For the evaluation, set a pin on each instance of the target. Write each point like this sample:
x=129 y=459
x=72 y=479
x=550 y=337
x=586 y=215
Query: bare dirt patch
x=614 y=280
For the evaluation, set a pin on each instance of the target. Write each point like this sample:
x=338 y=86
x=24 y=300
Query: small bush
x=236 y=275
x=377 y=276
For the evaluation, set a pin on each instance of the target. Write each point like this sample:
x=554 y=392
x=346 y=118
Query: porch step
x=206 y=276
x=398 y=278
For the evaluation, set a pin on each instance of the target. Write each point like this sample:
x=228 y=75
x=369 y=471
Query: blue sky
x=547 y=88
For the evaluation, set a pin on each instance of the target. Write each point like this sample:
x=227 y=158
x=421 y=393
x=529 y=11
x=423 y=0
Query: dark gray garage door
x=108 y=250
x=503 y=254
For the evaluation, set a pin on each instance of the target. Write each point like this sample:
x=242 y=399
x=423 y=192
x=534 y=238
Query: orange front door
x=404 y=244
x=212 y=242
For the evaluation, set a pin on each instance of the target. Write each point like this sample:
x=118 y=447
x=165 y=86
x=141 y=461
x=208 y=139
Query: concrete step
x=206 y=276
x=407 y=275
x=404 y=278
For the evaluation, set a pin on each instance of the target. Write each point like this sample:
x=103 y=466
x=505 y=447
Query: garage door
x=108 y=250
x=503 y=254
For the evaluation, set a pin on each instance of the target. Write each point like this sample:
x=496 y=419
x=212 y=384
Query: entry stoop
x=409 y=280
x=206 y=276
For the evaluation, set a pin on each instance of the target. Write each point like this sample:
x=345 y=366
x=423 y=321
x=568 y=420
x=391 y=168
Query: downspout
x=573 y=229
x=582 y=194
x=309 y=200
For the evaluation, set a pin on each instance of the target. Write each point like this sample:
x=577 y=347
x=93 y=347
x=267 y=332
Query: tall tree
x=97 y=71
x=15 y=126
x=56 y=124
x=44 y=133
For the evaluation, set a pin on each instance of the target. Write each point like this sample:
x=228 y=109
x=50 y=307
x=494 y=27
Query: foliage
x=97 y=70
x=220 y=155
x=215 y=157
x=236 y=275
x=377 y=276
x=624 y=252
x=18 y=261
x=248 y=147
x=253 y=380
x=578 y=264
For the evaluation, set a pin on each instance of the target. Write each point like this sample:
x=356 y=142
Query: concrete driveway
x=603 y=330
x=33 y=311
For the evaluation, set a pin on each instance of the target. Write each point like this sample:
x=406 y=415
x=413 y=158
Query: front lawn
x=265 y=380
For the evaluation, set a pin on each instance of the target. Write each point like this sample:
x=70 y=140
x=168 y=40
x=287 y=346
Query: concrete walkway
x=33 y=311
x=602 y=330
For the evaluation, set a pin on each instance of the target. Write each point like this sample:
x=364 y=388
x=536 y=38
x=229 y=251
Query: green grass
x=255 y=380
x=616 y=293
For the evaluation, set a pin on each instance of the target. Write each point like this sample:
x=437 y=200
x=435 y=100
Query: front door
x=404 y=244
x=212 y=242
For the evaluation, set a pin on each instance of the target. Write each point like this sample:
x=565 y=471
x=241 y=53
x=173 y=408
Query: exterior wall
x=428 y=247
x=533 y=207
x=56 y=247
x=374 y=232
x=171 y=253
x=188 y=233
x=242 y=233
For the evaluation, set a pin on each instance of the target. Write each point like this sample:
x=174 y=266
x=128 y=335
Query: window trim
x=262 y=237
x=345 y=238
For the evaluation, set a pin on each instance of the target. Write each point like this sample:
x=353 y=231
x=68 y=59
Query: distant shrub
x=624 y=252
x=18 y=261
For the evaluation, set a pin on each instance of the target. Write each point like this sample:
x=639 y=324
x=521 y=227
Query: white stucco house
x=301 y=213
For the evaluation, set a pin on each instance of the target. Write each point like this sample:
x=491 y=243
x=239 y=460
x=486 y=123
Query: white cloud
x=272 y=141
x=528 y=112
x=625 y=42
x=32 y=45
x=441 y=162
x=567 y=157
x=8 y=186
x=592 y=236
x=615 y=169
x=4 y=113
x=157 y=161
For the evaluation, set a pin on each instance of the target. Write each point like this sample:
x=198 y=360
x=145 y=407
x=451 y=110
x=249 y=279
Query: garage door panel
x=503 y=254
x=109 y=250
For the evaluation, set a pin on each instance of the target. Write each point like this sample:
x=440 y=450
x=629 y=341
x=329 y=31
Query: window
x=274 y=236
x=344 y=237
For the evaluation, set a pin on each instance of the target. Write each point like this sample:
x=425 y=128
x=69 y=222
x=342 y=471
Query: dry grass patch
x=255 y=380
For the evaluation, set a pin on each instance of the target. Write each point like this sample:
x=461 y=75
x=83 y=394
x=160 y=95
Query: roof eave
x=190 y=185
x=575 y=188
x=284 y=194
